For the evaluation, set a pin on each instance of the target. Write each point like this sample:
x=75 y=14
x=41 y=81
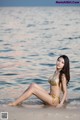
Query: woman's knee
x=33 y=85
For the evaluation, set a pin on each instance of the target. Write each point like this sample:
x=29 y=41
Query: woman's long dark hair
x=65 y=70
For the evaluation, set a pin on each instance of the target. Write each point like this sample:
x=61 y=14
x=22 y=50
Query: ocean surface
x=31 y=39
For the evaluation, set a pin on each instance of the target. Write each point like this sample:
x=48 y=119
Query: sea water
x=31 y=39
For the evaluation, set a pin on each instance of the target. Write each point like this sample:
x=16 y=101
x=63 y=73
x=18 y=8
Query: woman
x=58 y=82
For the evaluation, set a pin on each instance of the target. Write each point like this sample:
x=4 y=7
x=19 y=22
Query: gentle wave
x=31 y=39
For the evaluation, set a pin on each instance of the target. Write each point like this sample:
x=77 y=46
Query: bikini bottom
x=54 y=98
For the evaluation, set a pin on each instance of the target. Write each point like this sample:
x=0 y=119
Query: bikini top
x=53 y=80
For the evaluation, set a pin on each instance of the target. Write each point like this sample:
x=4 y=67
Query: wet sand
x=40 y=112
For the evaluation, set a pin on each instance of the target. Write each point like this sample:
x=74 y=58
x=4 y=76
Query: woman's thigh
x=43 y=95
x=34 y=85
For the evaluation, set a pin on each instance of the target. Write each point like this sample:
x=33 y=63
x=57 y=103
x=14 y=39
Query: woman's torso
x=54 y=84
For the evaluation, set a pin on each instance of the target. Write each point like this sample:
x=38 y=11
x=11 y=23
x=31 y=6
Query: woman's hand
x=59 y=105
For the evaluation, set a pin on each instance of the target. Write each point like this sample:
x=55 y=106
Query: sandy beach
x=40 y=112
x=34 y=109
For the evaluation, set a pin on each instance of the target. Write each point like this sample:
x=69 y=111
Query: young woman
x=58 y=82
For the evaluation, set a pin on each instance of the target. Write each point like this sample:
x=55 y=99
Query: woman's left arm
x=64 y=85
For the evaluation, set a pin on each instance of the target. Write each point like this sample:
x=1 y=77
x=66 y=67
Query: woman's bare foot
x=14 y=104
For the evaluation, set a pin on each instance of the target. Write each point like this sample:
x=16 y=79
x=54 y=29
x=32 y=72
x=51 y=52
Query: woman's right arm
x=64 y=91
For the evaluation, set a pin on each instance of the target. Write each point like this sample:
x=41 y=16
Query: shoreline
x=34 y=109
x=40 y=112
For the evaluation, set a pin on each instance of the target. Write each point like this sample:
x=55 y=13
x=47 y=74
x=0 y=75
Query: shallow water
x=31 y=39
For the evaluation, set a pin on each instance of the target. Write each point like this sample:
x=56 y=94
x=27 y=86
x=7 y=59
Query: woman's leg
x=36 y=90
x=37 y=86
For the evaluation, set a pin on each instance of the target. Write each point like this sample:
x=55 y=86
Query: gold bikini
x=54 y=98
x=53 y=83
x=53 y=80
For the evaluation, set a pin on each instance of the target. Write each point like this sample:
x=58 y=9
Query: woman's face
x=60 y=63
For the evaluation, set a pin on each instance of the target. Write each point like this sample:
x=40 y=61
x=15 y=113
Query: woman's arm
x=64 y=86
x=63 y=92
